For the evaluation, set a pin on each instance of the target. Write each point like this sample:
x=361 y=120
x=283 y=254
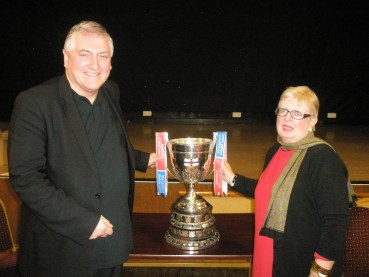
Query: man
x=72 y=165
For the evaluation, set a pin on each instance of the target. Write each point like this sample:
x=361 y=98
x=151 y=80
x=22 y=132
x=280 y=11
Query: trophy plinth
x=192 y=224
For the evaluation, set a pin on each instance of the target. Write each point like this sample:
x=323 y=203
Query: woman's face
x=292 y=130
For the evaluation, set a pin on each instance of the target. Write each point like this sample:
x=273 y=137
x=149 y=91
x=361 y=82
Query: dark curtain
x=213 y=56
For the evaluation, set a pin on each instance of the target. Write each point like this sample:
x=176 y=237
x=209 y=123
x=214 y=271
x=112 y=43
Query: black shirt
x=109 y=147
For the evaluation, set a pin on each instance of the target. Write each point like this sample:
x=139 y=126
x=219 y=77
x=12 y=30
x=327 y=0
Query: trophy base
x=192 y=225
x=192 y=245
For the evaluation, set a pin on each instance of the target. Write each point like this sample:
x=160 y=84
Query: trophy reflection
x=192 y=224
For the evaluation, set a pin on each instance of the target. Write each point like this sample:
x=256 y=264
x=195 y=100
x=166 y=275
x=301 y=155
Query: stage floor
x=247 y=144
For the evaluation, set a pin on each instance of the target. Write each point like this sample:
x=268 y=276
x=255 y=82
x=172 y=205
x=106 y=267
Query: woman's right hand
x=228 y=173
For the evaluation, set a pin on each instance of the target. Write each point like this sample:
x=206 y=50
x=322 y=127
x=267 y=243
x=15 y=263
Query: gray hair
x=86 y=27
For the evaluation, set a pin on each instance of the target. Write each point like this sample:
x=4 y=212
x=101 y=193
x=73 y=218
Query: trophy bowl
x=192 y=224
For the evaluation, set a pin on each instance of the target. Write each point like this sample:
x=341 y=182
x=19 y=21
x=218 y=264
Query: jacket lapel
x=114 y=102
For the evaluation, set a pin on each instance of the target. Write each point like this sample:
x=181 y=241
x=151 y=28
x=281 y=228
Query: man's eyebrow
x=88 y=51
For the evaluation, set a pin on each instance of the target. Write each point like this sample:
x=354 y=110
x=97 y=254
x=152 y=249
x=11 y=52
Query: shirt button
x=97 y=195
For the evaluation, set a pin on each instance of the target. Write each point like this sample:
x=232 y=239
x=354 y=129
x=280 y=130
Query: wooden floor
x=247 y=144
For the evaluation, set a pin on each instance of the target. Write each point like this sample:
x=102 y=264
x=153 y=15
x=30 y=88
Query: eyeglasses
x=294 y=114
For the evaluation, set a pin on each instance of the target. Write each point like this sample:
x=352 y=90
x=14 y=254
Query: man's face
x=88 y=64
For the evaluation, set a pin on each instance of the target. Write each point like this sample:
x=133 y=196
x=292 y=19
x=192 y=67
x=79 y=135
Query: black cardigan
x=317 y=215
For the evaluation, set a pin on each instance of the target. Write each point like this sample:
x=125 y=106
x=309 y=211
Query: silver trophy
x=192 y=224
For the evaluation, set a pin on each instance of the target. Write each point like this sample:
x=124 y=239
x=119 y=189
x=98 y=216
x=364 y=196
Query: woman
x=301 y=198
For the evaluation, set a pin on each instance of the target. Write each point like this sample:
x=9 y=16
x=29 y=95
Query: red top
x=263 y=246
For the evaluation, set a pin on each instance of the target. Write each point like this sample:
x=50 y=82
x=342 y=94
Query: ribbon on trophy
x=220 y=186
x=161 y=164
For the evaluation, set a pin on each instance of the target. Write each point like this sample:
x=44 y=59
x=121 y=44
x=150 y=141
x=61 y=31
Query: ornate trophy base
x=192 y=224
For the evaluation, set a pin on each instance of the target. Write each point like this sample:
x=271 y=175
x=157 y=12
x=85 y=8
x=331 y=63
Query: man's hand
x=103 y=229
x=153 y=159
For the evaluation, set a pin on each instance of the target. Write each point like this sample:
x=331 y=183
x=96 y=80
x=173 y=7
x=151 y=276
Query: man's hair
x=83 y=28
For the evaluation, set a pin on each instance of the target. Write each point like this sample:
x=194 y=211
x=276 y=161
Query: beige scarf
x=281 y=192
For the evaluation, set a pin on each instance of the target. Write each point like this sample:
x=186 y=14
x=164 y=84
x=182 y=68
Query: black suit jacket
x=52 y=168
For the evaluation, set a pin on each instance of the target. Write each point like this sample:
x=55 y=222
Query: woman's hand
x=228 y=173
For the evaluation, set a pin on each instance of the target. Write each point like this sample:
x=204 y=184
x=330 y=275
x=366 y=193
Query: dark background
x=198 y=59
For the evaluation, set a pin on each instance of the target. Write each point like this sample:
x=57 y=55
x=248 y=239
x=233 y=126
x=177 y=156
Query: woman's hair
x=83 y=28
x=303 y=94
